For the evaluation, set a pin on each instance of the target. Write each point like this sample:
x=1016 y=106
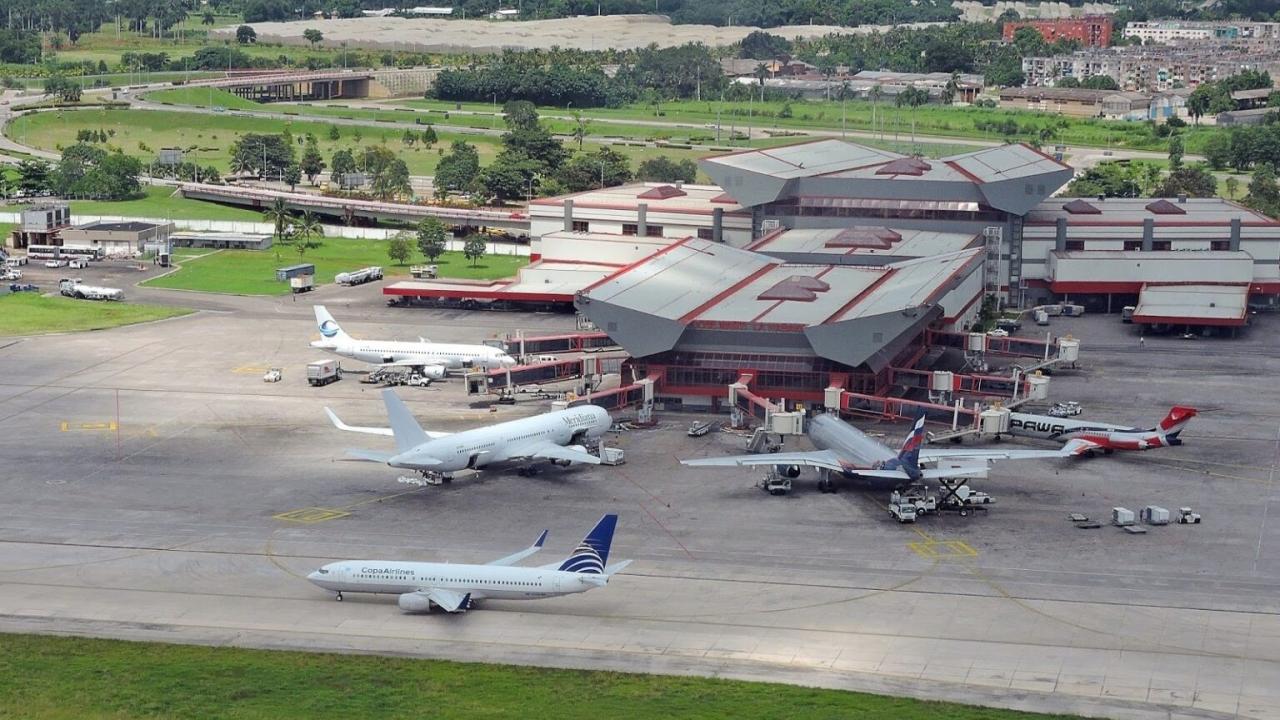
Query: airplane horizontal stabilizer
x=1078 y=447
x=820 y=459
x=617 y=567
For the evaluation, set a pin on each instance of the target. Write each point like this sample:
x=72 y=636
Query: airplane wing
x=410 y=363
x=337 y=422
x=819 y=459
x=370 y=455
x=988 y=454
x=449 y=600
x=514 y=558
x=549 y=451
x=1078 y=447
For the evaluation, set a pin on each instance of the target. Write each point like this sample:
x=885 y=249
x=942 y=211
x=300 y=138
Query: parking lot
x=156 y=488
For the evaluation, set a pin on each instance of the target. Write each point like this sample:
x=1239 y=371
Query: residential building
x=1089 y=31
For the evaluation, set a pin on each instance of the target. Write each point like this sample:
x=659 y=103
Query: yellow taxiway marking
x=932 y=549
x=311 y=515
x=65 y=426
x=250 y=370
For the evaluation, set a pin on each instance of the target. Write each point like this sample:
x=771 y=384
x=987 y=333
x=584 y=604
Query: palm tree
x=308 y=225
x=912 y=97
x=875 y=93
x=579 y=129
x=279 y=215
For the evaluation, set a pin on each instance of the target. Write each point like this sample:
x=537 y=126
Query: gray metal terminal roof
x=1012 y=178
x=1122 y=211
x=698 y=294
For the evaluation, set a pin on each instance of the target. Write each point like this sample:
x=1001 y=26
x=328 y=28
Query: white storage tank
x=1037 y=387
x=1068 y=349
x=1121 y=516
x=994 y=421
x=977 y=342
x=943 y=381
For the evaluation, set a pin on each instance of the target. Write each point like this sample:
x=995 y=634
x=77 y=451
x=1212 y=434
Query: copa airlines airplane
x=433 y=358
x=456 y=588
x=1088 y=438
x=554 y=436
x=845 y=449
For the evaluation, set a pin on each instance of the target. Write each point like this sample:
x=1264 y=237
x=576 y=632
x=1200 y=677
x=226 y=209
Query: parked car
x=55 y=263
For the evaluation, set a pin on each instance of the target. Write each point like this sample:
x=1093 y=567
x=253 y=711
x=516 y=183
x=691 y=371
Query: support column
x=1234 y=243
x=568 y=215
x=1060 y=240
x=642 y=220
x=717 y=225
x=1148 y=234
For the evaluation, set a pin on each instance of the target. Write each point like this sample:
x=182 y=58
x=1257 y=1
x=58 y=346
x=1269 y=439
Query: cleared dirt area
x=462 y=36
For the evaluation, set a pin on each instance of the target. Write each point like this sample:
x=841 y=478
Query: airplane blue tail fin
x=408 y=433
x=909 y=453
x=592 y=554
x=331 y=333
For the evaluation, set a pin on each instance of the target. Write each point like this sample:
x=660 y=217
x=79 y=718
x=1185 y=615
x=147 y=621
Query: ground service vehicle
x=273 y=375
x=1041 y=317
x=323 y=372
x=302 y=283
x=1187 y=517
x=903 y=511
x=359 y=277
x=423 y=272
x=75 y=288
x=1126 y=313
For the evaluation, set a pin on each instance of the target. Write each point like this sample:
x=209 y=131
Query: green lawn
x=52 y=678
x=253 y=272
x=203 y=97
x=31 y=314
x=959 y=122
x=161 y=202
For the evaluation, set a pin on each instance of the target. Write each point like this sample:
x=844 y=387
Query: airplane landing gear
x=339 y=597
x=825 y=483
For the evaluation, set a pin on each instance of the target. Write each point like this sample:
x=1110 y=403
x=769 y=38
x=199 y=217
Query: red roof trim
x=956 y=166
x=694 y=313
x=634 y=265
x=835 y=317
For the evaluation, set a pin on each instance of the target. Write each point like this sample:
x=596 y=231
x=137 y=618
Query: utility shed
x=1200 y=305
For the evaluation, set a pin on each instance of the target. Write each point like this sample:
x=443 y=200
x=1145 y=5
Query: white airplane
x=456 y=588
x=554 y=436
x=1087 y=438
x=844 y=449
x=433 y=359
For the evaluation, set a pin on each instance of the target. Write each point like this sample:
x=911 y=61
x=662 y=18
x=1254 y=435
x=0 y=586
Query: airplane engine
x=791 y=471
x=414 y=603
x=433 y=372
x=567 y=463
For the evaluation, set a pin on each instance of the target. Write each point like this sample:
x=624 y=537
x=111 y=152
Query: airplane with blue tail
x=849 y=452
x=452 y=587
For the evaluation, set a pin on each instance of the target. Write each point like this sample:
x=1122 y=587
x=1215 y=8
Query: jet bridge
x=520 y=346
x=772 y=417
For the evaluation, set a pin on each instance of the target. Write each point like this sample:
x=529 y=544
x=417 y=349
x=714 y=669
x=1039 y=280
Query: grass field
x=141 y=133
x=52 y=678
x=31 y=314
x=160 y=202
x=252 y=272
x=946 y=121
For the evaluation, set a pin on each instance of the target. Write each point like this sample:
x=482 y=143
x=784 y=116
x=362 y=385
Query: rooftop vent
x=802 y=288
x=878 y=238
x=1080 y=207
x=662 y=192
x=1164 y=207
x=725 y=199
x=904 y=166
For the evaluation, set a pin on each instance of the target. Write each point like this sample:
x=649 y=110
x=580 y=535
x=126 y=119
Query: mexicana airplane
x=846 y=450
x=434 y=359
x=454 y=587
x=556 y=437
x=1088 y=438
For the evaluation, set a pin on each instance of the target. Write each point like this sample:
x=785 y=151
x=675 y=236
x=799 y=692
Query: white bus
x=63 y=252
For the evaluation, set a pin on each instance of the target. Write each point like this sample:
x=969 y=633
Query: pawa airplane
x=554 y=436
x=433 y=358
x=456 y=588
x=844 y=449
x=1088 y=438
